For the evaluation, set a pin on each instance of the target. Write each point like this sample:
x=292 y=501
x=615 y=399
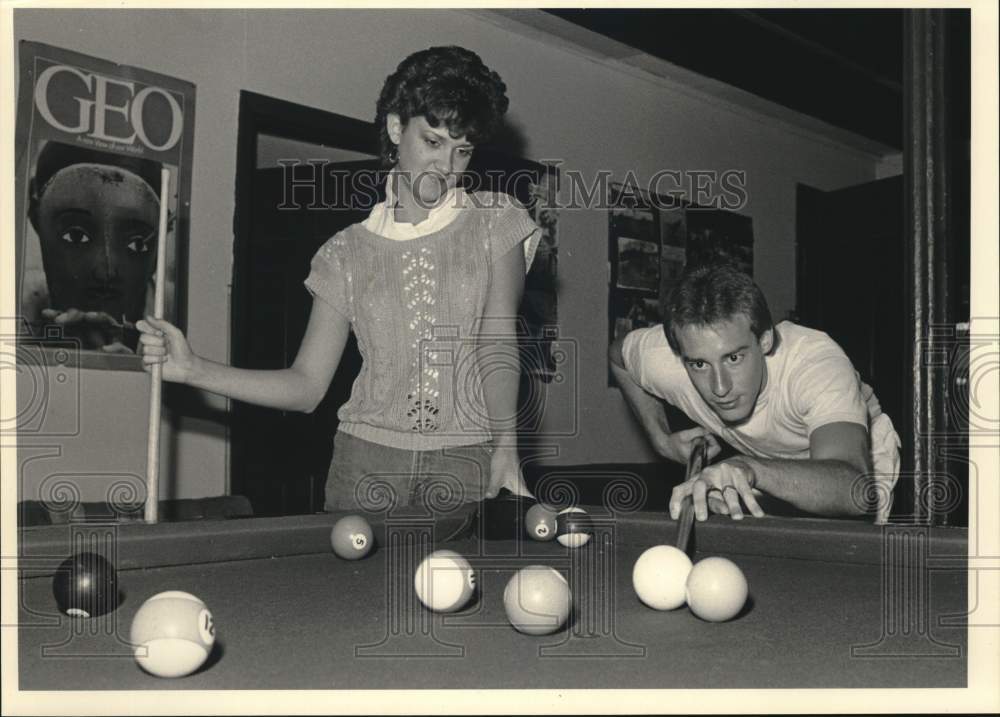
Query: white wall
x=589 y=114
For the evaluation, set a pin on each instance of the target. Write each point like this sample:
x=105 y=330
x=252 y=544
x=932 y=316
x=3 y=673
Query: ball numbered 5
x=352 y=537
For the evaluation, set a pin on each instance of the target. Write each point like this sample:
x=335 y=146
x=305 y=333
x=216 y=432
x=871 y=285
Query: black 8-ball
x=86 y=585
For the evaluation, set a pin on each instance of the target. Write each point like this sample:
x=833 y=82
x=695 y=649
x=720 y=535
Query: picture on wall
x=673 y=249
x=717 y=236
x=638 y=264
x=650 y=243
x=536 y=186
x=539 y=304
x=92 y=137
x=634 y=260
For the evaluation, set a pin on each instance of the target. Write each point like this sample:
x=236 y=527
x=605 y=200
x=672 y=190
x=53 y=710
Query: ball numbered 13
x=172 y=634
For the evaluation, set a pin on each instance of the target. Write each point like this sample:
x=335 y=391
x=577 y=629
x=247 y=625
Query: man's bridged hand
x=725 y=488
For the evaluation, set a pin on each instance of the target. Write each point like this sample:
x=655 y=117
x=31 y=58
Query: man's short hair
x=709 y=294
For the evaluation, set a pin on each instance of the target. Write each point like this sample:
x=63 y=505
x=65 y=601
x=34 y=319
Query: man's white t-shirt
x=810 y=383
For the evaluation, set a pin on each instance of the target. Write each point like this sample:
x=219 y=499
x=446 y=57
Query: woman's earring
x=393 y=155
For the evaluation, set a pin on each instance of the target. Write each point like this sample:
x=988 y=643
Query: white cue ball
x=444 y=581
x=716 y=589
x=172 y=634
x=660 y=576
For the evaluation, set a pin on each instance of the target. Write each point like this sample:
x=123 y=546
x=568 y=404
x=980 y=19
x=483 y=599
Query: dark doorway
x=293 y=193
x=850 y=276
x=850 y=283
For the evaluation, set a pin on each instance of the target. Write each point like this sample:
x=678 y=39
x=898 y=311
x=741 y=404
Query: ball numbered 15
x=573 y=527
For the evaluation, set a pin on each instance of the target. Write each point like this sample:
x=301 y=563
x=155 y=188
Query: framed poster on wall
x=535 y=185
x=539 y=304
x=717 y=236
x=651 y=239
x=91 y=139
x=634 y=260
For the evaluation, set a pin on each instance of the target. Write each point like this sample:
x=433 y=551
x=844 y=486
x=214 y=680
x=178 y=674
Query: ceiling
x=844 y=67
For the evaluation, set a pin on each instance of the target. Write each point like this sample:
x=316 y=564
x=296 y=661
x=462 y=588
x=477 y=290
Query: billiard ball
x=172 y=634
x=716 y=589
x=540 y=522
x=537 y=600
x=351 y=537
x=85 y=585
x=444 y=581
x=573 y=527
x=660 y=575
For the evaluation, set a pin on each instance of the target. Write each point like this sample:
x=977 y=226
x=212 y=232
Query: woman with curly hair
x=430 y=283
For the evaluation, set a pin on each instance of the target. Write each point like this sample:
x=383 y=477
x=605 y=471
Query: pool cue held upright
x=696 y=461
x=156 y=375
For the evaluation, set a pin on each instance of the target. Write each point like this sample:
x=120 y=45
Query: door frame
x=288 y=120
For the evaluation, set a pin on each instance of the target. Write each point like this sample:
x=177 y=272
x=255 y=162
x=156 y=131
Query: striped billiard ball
x=172 y=634
x=573 y=527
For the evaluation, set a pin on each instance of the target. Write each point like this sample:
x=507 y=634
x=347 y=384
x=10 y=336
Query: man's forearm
x=647 y=409
x=831 y=488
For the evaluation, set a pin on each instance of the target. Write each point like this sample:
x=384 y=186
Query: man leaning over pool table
x=807 y=430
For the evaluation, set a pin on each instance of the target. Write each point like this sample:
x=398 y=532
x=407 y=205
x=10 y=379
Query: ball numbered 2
x=540 y=523
x=172 y=634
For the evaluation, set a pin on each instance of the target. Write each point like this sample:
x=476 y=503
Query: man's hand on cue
x=726 y=486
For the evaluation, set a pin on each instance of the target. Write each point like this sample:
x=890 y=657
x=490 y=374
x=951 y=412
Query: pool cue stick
x=156 y=375
x=696 y=461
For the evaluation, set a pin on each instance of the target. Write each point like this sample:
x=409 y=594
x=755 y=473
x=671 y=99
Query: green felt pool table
x=832 y=605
